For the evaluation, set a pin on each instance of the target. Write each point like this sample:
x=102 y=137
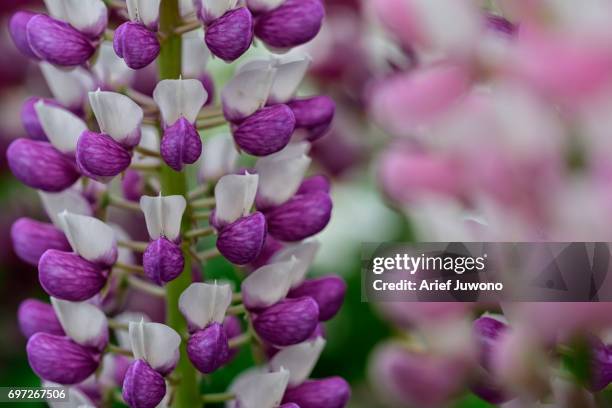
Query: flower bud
x=39 y=165
x=266 y=131
x=299 y=359
x=67 y=276
x=118 y=116
x=58 y=42
x=242 y=241
x=208 y=348
x=30 y=120
x=155 y=343
x=204 y=303
x=143 y=387
x=332 y=392
x=18 y=30
x=314 y=183
x=231 y=35
x=163 y=261
x=32 y=238
x=35 y=316
x=301 y=217
x=294 y=23
x=100 y=157
x=288 y=322
x=314 y=114
x=136 y=45
x=327 y=291
x=59 y=359
x=132 y=185
x=181 y=144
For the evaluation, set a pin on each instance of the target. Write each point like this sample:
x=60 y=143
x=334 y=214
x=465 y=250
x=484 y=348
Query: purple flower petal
x=18 y=30
x=208 y=349
x=314 y=115
x=67 y=276
x=58 y=42
x=32 y=238
x=229 y=36
x=29 y=117
x=601 y=367
x=209 y=84
x=487 y=331
x=143 y=387
x=35 y=316
x=314 y=183
x=294 y=23
x=136 y=45
x=332 y=392
x=163 y=261
x=289 y=405
x=39 y=165
x=59 y=359
x=100 y=157
x=266 y=131
x=500 y=24
x=301 y=217
x=242 y=241
x=328 y=292
x=288 y=322
x=181 y=144
x=132 y=185
x=232 y=328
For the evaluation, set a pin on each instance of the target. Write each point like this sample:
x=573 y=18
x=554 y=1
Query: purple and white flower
x=136 y=41
x=255 y=389
x=299 y=359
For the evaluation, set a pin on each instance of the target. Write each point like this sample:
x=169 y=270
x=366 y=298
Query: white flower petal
x=89 y=237
x=179 y=97
x=75 y=399
x=110 y=70
x=56 y=9
x=62 y=127
x=155 y=343
x=195 y=54
x=82 y=322
x=247 y=91
x=213 y=9
x=261 y=390
x=299 y=359
x=123 y=337
x=290 y=71
x=264 y=5
x=280 y=174
x=87 y=16
x=149 y=140
x=70 y=200
x=203 y=303
x=234 y=196
x=145 y=11
x=219 y=158
x=163 y=215
x=268 y=284
x=186 y=7
x=304 y=252
x=69 y=87
x=118 y=116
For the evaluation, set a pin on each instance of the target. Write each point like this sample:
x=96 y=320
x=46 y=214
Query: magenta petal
x=132 y=185
x=29 y=117
x=294 y=23
x=332 y=392
x=601 y=367
x=39 y=165
x=67 y=276
x=181 y=144
x=18 y=30
x=314 y=183
x=242 y=241
x=289 y=405
x=229 y=36
x=288 y=322
x=208 y=348
x=301 y=217
x=137 y=45
x=32 y=238
x=314 y=115
x=487 y=332
x=58 y=42
x=163 y=261
x=35 y=316
x=59 y=359
x=100 y=157
x=143 y=387
x=209 y=84
x=266 y=131
x=327 y=291
x=232 y=328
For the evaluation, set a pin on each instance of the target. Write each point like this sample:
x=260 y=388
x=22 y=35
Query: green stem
x=220 y=397
x=186 y=392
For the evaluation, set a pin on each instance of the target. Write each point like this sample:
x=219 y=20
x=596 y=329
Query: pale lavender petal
x=143 y=387
x=18 y=30
x=314 y=114
x=32 y=238
x=100 y=157
x=294 y=23
x=58 y=42
x=208 y=348
x=163 y=261
x=288 y=322
x=67 y=276
x=229 y=36
x=137 y=45
x=30 y=120
x=266 y=131
x=181 y=144
x=35 y=316
x=59 y=359
x=332 y=392
x=301 y=217
x=327 y=291
x=242 y=241
x=39 y=165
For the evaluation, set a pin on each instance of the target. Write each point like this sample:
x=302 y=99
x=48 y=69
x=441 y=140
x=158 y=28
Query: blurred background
x=456 y=120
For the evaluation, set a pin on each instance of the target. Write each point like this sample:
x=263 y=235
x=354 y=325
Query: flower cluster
x=100 y=148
